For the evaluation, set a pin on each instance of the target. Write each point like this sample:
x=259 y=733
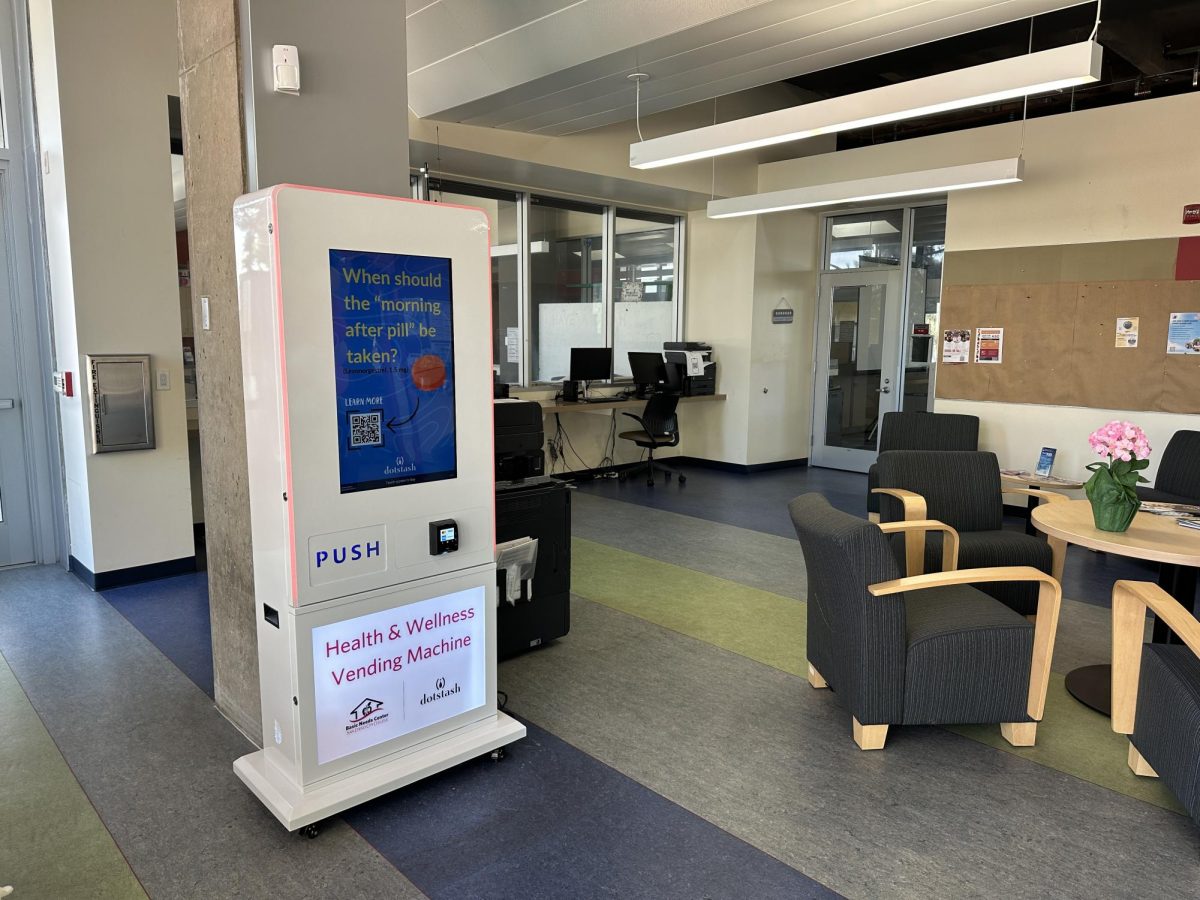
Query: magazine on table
x=1173 y=510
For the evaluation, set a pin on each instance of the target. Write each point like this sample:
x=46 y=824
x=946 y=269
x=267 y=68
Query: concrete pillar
x=348 y=129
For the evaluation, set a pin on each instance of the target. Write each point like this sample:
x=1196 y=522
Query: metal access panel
x=120 y=402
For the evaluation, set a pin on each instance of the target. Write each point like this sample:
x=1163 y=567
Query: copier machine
x=697 y=369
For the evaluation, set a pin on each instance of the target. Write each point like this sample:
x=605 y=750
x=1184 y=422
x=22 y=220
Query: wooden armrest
x=914 y=504
x=1044 y=630
x=961 y=576
x=1045 y=496
x=915 y=565
x=1130 y=601
x=914 y=541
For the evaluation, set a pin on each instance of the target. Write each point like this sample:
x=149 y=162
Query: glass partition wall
x=569 y=273
x=566 y=282
x=643 y=291
x=502 y=208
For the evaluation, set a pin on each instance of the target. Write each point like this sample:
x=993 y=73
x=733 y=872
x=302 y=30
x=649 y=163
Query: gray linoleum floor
x=747 y=747
x=155 y=758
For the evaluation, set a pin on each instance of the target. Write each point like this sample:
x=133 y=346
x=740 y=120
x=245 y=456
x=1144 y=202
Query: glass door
x=858 y=346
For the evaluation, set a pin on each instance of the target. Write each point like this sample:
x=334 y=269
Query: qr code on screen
x=366 y=429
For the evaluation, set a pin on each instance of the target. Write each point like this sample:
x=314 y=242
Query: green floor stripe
x=52 y=842
x=1080 y=742
x=771 y=629
x=763 y=626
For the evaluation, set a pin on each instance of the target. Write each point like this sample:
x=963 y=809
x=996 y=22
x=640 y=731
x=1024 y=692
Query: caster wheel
x=667 y=476
x=682 y=480
x=498 y=754
x=621 y=477
x=311 y=831
x=649 y=484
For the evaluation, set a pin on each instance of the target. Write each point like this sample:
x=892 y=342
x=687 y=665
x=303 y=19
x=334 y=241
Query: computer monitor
x=648 y=368
x=591 y=363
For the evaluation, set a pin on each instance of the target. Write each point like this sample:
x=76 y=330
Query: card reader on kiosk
x=366 y=358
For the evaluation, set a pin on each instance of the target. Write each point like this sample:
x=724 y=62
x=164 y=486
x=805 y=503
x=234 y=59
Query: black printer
x=519 y=439
x=693 y=360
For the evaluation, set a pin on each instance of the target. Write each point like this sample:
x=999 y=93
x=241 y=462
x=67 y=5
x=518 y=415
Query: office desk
x=560 y=406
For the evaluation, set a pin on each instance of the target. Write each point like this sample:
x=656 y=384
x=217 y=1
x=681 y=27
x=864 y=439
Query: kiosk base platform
x=296 y=808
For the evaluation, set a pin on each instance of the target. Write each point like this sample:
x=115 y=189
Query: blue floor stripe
x=549 y=821
x=173 y=614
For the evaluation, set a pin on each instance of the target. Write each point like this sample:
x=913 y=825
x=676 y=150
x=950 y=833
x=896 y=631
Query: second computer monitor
x=591 y=364
x=647 y=368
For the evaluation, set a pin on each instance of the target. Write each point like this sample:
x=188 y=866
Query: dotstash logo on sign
x=386 y=674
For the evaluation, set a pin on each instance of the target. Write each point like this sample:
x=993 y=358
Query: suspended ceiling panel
x=558 y=67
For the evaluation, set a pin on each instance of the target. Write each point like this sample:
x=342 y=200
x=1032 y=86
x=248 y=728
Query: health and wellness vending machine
x=366 y=361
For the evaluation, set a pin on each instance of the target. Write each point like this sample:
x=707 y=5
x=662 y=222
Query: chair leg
x=869 y=737
x=1138 y=763
x=815 y=679
x=1019 y=734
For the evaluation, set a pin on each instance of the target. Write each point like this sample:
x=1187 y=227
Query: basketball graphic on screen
x=429 y=372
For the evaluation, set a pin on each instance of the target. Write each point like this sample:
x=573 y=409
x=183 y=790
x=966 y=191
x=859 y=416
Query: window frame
x=427 y=187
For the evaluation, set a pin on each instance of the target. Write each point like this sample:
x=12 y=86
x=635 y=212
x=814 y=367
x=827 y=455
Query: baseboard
x=115 y=578
x=741 y=469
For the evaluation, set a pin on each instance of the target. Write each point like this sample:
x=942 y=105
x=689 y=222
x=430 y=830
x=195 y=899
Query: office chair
x=660 y=428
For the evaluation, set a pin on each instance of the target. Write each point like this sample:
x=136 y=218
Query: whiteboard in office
x=562 y=326
x=640 y=327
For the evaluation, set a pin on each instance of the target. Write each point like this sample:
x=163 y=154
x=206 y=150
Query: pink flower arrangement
x=1112 y=489
x=1120 y=441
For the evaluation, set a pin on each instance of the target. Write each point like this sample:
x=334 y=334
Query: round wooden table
x=1154 y=538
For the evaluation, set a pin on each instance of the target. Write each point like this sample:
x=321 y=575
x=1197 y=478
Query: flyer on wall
x=956 y=346
x=1127 y=332
x=1183 y=333
x=394 y=361
x=989 y=345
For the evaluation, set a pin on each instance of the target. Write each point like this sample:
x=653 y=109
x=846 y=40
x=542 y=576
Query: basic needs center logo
x=368 y=712
x=441 y=692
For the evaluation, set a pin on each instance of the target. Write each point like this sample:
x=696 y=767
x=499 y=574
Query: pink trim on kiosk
x=287 y=424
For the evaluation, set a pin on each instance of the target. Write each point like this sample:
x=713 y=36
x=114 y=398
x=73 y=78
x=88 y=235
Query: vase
x=1114 y=513
x=1113 y=504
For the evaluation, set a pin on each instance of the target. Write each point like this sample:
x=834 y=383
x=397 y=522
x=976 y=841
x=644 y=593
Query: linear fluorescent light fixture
x=1034 y=73
x=906 y=184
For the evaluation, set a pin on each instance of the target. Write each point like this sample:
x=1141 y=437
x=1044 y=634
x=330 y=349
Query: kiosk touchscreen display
x=393 y=351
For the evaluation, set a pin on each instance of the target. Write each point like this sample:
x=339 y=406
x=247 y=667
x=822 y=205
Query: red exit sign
x=1191 y=214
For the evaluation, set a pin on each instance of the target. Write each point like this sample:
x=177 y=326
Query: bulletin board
x=1060 y=345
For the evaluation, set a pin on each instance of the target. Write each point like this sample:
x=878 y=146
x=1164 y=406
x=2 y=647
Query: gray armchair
x=962 y=489
x=1156 y=690
x=1178 y=479
x=921 y=431
x=923 y=650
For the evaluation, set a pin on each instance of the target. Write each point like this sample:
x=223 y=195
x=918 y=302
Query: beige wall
x=1120 y=173
x=102 y=74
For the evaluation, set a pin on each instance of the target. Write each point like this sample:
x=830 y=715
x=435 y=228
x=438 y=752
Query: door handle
x=7 y=403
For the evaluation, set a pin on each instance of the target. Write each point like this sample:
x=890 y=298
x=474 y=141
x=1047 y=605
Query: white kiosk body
x=366 y=361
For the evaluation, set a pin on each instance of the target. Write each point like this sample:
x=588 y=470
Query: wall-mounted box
x=120 y=403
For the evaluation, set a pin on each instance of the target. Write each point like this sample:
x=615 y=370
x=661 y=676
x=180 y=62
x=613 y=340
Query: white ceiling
x=560 y=66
